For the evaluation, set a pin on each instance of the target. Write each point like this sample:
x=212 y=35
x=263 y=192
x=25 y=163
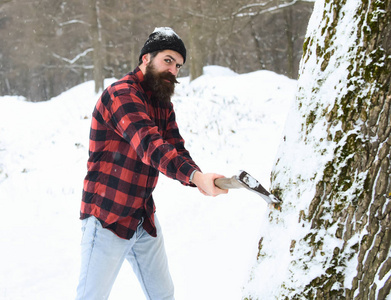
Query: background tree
x=333 y=168
x=97 y=44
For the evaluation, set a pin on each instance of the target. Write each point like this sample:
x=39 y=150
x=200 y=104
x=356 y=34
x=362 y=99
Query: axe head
x=250 y=183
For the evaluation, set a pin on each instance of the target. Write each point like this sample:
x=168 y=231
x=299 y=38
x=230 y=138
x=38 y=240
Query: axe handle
x=228 y=183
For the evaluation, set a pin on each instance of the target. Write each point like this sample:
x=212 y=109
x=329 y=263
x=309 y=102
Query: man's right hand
x=205 y=183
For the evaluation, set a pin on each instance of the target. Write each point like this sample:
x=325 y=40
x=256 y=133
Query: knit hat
x=164 y=38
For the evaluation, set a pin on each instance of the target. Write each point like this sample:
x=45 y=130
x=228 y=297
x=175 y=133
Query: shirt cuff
x=192 y=175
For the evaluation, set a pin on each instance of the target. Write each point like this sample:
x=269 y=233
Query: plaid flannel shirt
x=132 y=139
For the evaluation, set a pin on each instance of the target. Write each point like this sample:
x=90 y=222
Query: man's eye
x=168 y=60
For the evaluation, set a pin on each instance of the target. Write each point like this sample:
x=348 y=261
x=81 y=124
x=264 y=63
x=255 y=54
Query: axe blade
x=253 y=185
x=245 y=180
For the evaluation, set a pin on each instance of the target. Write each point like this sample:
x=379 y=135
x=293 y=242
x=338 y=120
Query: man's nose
x=173 y=70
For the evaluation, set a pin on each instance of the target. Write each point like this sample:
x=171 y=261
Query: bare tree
x=97 y=44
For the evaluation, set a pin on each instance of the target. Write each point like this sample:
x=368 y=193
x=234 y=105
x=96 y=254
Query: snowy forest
x=50 y=46
x=297 y=93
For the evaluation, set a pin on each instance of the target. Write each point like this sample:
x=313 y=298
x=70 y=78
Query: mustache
x=168 y=76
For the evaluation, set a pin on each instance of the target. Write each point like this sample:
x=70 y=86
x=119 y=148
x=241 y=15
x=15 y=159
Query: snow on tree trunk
x=331 y=239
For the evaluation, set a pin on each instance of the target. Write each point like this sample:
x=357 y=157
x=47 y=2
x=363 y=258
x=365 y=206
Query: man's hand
x=205 y=183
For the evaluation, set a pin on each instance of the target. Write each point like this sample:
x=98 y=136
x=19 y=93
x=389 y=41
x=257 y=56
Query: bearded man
x=133 y=138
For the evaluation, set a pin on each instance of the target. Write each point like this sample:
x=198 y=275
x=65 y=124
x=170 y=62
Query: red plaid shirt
x=132 y=139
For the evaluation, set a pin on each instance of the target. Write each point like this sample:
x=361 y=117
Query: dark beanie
x=164 y=38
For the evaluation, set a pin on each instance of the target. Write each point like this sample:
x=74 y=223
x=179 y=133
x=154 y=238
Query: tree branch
x=77 y=57
x=263 y=10
x=239 y=14
x=73 y=22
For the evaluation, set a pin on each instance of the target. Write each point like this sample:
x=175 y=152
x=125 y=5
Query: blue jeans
x=103 y=252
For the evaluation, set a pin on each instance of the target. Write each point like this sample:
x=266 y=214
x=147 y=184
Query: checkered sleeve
x=130 y=118
x=174 y=137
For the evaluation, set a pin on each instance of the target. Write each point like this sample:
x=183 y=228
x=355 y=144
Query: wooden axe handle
x=228 y=183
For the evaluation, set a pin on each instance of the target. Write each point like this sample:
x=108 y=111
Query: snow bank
x=229 y=121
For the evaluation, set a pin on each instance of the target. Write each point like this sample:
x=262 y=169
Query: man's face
x=168 y=61
x=161 y=72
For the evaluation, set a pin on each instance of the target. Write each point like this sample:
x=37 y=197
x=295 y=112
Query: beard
x=161 y=84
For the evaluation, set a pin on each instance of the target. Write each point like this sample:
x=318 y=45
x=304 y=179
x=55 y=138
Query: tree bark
x=360 y=206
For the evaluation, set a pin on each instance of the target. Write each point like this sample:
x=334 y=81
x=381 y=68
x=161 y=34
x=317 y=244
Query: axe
x=245 y=180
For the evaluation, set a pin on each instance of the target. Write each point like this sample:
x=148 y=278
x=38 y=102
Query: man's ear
x=146 y=58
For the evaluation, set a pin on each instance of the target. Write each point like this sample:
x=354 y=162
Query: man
x=133 y=137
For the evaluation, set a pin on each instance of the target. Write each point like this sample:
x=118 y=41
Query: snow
x=164 y=31
x=250 y=181
x=229 y=121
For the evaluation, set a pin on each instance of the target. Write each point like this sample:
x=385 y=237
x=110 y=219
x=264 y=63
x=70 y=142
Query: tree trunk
x=196 y=48
x=333 y=168
x=362 y=219
x=289 y=43
x=97 y=44
x=196 y=62
x=258 y=47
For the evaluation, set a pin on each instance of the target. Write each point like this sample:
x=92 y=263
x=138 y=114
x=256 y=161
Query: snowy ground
x=230 y=122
